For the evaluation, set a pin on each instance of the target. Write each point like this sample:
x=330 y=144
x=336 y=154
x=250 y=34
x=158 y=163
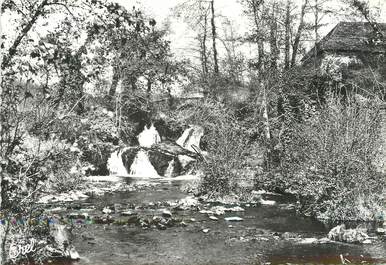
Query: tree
x=299 y=33
x=197 y=13
x=214 y=36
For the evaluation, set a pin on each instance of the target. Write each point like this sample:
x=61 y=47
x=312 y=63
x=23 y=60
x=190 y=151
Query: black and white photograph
x=192 y=132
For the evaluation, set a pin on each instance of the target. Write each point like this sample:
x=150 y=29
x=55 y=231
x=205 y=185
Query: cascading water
x=119 y=161
x=170 y=169
x=191 y=138
x=115 y=164
x=148 y=137
x=141 y=166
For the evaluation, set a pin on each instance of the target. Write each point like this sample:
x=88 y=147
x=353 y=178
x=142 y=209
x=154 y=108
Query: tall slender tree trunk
x=287 y=36
x=273 y=38
x=316 y=31
x=148 y=91
x=114 y=82
x=2 y=154
x=215 y=59
x=203 y=46
x=204 y=49
x=299 y=32
x=260 y=43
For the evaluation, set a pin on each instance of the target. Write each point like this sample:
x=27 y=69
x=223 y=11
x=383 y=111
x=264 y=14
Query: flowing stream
x=267 y=233
x=264 y=236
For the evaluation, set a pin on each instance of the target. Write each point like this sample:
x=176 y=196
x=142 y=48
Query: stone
x=166 y=213
x=324 y=240
x=367 y=241
x=128 y=213
x=340 y=233
x=107 y=210
x=188 y=202
x=267 y=202
x=206 y=212
x=235 y=209
x=78 y=216
x=289 y=235
x=234 y=219
x=103 y=220
x=73 y=254
x=133 y=219
x=310 y=240
x=157 y=219
x=161 y=227
x=214 y=218
x=380 y=231
x=206 y=230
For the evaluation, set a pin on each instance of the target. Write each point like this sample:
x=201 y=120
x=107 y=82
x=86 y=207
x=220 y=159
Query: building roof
x=353 y=37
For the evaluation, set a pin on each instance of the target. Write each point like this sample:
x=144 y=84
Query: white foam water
x=170 y=169
x=148 y=137
x=115 y=164
x=191 y=138
x=142 y=167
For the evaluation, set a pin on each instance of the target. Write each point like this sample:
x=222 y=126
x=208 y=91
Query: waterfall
x=115 y=164
x=191 y=137
x=148 y=137
x=142 y=167
x=170 y=169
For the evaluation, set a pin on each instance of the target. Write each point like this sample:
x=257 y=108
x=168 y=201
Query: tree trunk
x=114 y=82
x=287 y=36
x=12 y=50
x=216 y=70
x=273 y=39
x=260 y=44
x=204 y=52
x=148 y=91
x=299 y=32
x=316 y=30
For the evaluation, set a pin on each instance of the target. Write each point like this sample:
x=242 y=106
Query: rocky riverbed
x=134 y=221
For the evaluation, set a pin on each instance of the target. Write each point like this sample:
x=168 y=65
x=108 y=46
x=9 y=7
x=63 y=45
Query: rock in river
x=233 y=219
x=340 y=233
x=166 y=213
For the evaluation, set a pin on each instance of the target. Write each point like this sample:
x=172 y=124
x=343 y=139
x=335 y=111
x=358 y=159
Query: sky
x=182 y=37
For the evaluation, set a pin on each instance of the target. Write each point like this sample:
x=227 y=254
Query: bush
x=226 y=143
x=330 y=161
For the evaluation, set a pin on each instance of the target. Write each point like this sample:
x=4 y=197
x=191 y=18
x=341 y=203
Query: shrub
x=226 y=143
x=330 y=161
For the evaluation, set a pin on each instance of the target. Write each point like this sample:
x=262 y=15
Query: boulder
x=166 y=213
x=128 y=156
x=340 y=233
x=61 y=244
x=233 y=219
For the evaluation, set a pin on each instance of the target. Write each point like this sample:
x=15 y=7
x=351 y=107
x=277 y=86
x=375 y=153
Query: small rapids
x=115 y=164
x=142 y=167
x=148 y=137
x=170 y=169
x=191 y=138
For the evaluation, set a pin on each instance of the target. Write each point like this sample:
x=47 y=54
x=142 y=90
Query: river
x=268 y=234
